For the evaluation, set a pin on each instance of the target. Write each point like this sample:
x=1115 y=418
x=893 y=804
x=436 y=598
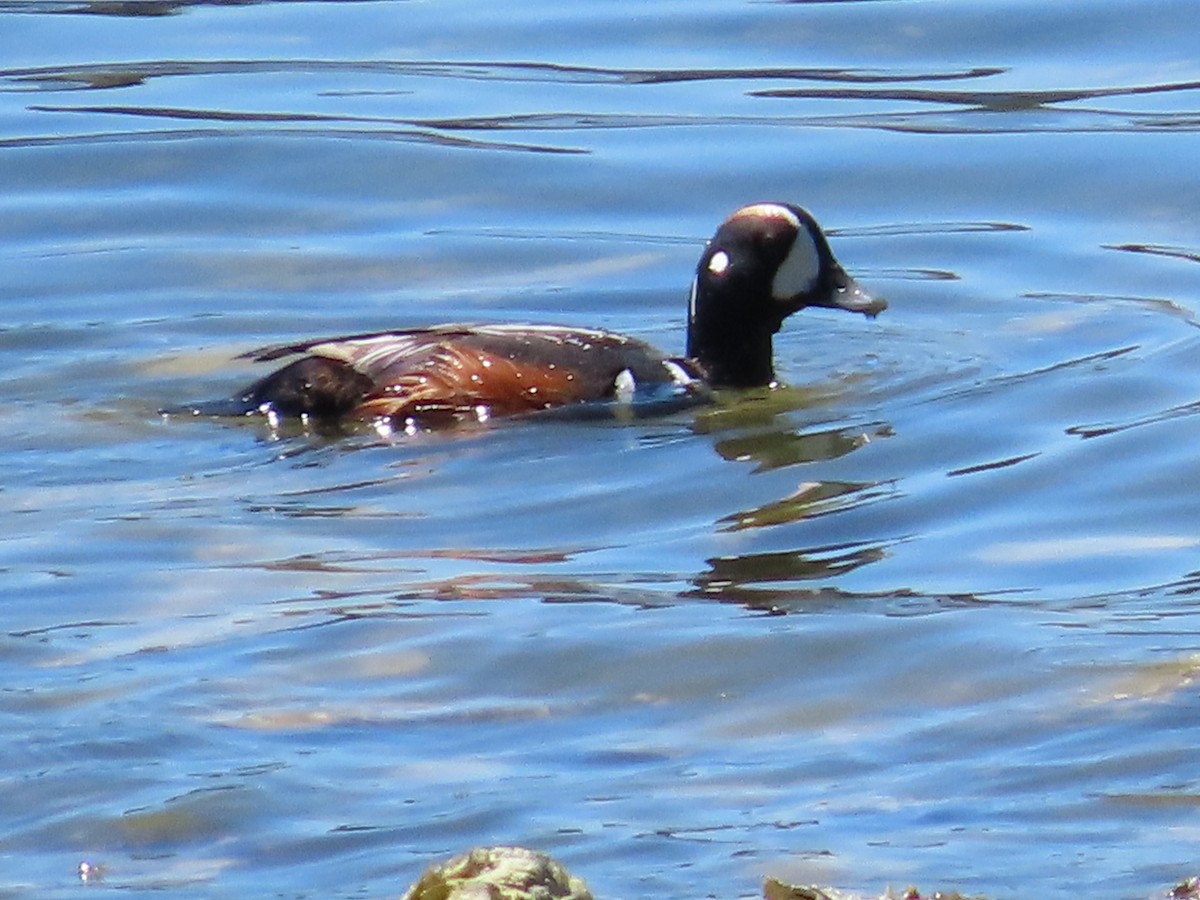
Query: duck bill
x=845 y=293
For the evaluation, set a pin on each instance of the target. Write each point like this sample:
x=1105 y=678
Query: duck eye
x=718 y=263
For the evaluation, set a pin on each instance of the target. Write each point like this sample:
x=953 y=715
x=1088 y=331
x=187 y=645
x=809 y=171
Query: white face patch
x=719 y=263
x=798 y=272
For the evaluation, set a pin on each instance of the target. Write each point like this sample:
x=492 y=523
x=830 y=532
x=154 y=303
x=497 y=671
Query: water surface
x=926 y=614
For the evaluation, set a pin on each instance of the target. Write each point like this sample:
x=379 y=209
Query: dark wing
x=366 y=339
x=455 y=370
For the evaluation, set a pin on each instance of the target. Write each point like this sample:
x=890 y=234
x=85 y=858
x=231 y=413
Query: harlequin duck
x=765 y=262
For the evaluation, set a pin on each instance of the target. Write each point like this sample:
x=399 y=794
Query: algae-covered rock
x=774 y=889
x=498 y=873
x=515 y=873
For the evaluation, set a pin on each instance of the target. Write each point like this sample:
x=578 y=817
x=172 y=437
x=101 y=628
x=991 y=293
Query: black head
x=765 y=262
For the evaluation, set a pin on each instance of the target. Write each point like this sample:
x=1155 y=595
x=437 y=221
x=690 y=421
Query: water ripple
x=108 y=75
x=970 y=111
x=409 y=136
x=1035 y=110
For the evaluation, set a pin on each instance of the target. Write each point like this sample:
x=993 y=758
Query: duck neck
x=732 y=355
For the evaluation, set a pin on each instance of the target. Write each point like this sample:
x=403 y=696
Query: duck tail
x=230 y=407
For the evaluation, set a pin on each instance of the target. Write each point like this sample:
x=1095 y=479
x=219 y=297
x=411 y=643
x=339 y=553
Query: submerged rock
x=515 y=873
x=498 y=873
x=774 y=889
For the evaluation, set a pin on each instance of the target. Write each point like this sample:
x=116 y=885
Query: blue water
x=927 y=614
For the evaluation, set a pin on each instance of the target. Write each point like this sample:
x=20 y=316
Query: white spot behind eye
x=718 y=262
x=798 y=272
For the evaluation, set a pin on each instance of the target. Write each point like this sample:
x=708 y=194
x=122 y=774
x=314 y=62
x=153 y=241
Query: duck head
x=765 y=262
